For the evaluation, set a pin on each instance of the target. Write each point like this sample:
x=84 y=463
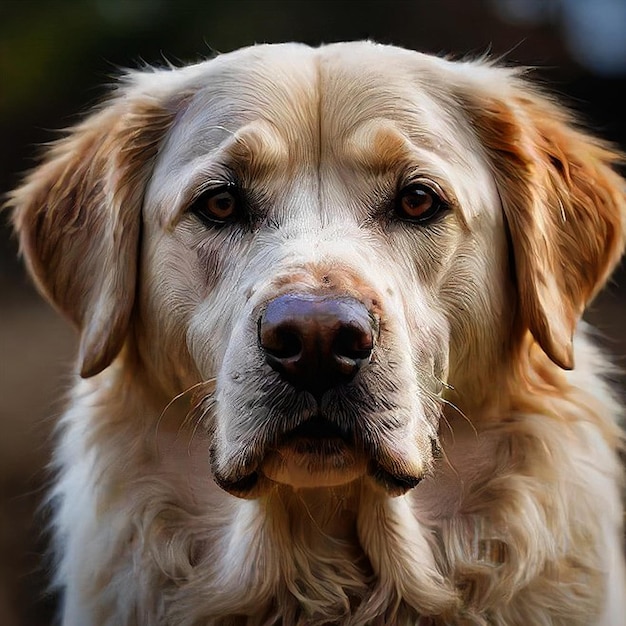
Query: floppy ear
x=78 y=218
x=564 y=204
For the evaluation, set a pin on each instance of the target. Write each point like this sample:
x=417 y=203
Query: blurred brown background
x=54 y=58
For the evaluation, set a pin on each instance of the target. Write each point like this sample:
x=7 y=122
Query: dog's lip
x=243 y=487
x=395 y=484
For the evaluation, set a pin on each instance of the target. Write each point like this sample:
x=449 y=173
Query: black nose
x=316 y=342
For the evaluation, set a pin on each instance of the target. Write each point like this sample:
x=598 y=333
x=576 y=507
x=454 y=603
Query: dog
x=332 y=367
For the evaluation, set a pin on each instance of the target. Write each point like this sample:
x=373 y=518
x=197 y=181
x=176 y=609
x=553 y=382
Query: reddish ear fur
x=78 y=217
x=565 y=207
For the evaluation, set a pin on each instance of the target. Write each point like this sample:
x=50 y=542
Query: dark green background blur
x=54 y=58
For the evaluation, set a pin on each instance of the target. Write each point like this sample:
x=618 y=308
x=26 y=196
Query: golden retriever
x=332 y=364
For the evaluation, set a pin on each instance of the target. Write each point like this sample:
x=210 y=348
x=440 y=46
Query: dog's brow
x=258 y=146
x=378 y=145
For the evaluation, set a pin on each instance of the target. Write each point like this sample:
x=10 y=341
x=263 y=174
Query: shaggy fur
x=482 y=481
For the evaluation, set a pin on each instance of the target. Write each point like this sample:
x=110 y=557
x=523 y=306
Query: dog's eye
x=217 y=206
x=418 y=203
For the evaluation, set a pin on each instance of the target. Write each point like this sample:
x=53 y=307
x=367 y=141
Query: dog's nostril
x=316 y=342
x=281 y=343
x=354 y=342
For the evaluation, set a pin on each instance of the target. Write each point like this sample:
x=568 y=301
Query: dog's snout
x=316 y=342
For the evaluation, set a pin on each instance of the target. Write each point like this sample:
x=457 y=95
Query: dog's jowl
x=332 y=367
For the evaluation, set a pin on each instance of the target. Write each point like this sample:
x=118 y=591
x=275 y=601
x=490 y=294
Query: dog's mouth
x=317 y=453
x=317 y=431
x=320 y=453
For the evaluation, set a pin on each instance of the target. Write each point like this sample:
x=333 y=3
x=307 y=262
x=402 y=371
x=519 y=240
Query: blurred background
x=55 y=56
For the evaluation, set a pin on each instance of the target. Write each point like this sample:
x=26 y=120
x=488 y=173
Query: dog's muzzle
x=326 y=420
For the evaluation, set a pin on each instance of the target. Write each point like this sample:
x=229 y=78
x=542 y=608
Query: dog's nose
x=316 y=342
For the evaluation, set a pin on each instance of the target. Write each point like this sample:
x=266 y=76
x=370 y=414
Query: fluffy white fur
x=517 y=522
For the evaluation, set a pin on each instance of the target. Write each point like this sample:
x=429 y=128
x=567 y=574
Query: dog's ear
x=78 y=218
x=564 y=204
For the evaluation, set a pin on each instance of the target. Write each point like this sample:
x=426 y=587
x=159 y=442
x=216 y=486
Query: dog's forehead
x=295 y=109
x=309 y=94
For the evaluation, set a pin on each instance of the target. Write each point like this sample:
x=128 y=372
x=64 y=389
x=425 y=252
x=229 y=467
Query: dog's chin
x=305 y=462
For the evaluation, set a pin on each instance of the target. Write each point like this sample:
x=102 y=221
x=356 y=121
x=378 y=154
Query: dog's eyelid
x=210 y=188
x=430 y=183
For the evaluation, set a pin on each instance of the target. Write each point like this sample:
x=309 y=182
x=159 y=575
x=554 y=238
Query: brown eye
x=418 y=203
x=217 y=206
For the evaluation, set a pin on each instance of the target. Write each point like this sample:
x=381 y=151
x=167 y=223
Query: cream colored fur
x=518 y=522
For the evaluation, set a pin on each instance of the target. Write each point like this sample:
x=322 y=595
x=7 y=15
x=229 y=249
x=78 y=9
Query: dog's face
x=326 y=233
x=317 y=243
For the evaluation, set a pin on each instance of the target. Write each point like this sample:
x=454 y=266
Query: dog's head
x=336 y=235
